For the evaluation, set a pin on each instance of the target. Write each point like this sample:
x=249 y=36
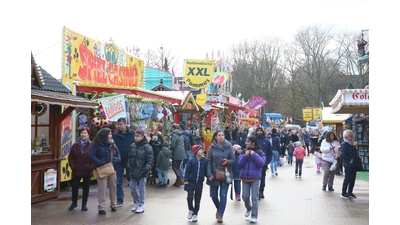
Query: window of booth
x=40 y=132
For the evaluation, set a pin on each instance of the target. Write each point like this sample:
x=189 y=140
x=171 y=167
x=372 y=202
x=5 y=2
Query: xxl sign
x=198 y=73
x=98 y=64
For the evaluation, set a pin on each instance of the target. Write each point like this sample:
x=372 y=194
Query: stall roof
x=329 y=118
x=47 y=89
x=354 y=101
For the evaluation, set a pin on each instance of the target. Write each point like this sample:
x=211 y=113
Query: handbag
x=219 y=174
x=106 y=169
x=359 y=165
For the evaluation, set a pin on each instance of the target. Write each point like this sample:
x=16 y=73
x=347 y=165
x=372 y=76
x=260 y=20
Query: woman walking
x=330 y=148
x=251 y=160
x=220 y=155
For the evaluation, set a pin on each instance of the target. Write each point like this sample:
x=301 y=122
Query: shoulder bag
x=106 y=169
x=219 y=174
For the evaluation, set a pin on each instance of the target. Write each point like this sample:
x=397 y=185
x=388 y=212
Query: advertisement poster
x=198 y=73
x=99 y=64
x=307 y=114
x=114 y=107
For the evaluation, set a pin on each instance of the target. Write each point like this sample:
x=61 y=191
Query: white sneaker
x=135 y=207
x=140 y=208
x=253 y=220
x=190 y=214
x=297 y=176
x=273 y=174
x=194 y=218
x=247 y=213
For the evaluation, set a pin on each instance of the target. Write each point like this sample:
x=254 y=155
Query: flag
x=207 y=56
x=218 y=54
x=212 y=55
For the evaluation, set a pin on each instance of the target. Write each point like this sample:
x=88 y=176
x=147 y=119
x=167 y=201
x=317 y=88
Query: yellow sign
x=201 y=99
x=97 y=63
x=317 y=113
x=198 y=73
x=307 y=114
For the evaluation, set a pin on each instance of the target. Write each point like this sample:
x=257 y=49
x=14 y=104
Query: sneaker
x=135 y=207
x=352 y=195
x=297 y=175
x=253 y=220
x=247 y=213
x=119 y=204
x=324 y=188
x=140 y=208
x=318 y=172
x=276 y=174
x=159 y=183
x=72 y=206
x=113 y=209
x=194 y=218
x=273 y=174
x=102 y=212
x=345 y=196
x=190 y=214
x=84 y=207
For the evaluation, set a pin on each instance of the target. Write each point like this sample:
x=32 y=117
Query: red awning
x=146 y=94
x=238 y=107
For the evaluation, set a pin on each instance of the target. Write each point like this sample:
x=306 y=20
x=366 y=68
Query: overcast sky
x=189 y=28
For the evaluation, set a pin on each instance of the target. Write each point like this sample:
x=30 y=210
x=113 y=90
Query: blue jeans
x=220 y=203
x=299 y=166
x=162 y=176
x=135 y=185
x=119 y=168
x=290 y=158
x=274 y=161
x=237 y=186
x=253 y=205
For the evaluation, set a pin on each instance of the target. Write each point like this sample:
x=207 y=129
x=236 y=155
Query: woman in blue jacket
x=252 y=160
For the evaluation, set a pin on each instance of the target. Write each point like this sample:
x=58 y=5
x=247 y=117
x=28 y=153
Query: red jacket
x=299 y=152
x=79 y=160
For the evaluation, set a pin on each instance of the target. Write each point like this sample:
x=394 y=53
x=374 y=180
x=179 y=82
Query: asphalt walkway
x=288 y=201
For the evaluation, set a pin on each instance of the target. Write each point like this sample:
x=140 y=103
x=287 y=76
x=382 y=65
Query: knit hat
x=196 y=148
x=236 y=147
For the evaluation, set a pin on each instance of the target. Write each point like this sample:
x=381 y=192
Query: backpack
x=186 y=141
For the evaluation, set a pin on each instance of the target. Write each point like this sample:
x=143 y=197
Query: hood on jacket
x=225 y=145
x=177 y=132
x=262 y=134
x=166 y=152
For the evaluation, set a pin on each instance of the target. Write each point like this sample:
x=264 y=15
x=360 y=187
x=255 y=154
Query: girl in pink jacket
x=299 y=153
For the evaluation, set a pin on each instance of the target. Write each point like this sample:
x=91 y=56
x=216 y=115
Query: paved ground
x=288 y=200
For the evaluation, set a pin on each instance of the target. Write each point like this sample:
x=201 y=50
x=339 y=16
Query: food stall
x=355 y=102
x=48 y=97
x=335 y=121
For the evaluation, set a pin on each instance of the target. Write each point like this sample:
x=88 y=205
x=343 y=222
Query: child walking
x=318 y=159
x=237 y=182
x=196 y=170
x=162 y=164
x=290 y=150
x=299 y=153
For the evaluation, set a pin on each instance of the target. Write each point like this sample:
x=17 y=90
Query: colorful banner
x=98 y=64
x=198 y=73
x=307 y=114
x=256 y=103
x=114 y=107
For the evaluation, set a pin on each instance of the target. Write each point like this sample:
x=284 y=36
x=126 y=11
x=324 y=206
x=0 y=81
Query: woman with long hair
x=330 y=148
x=103 y=151
x=251 y=160
x=220 y=155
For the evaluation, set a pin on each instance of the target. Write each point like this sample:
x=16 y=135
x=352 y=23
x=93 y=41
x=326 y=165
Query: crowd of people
x=246 y=154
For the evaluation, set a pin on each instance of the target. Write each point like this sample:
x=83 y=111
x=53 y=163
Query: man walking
x=266 y=147
x=123 y=138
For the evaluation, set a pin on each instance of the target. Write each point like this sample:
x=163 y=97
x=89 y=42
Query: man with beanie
x=123 y=138
x=266 y=147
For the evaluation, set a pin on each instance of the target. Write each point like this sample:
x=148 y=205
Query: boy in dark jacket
x=196 y=170
x=162 y=164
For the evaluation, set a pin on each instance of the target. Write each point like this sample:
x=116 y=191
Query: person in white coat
x=330 y=148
